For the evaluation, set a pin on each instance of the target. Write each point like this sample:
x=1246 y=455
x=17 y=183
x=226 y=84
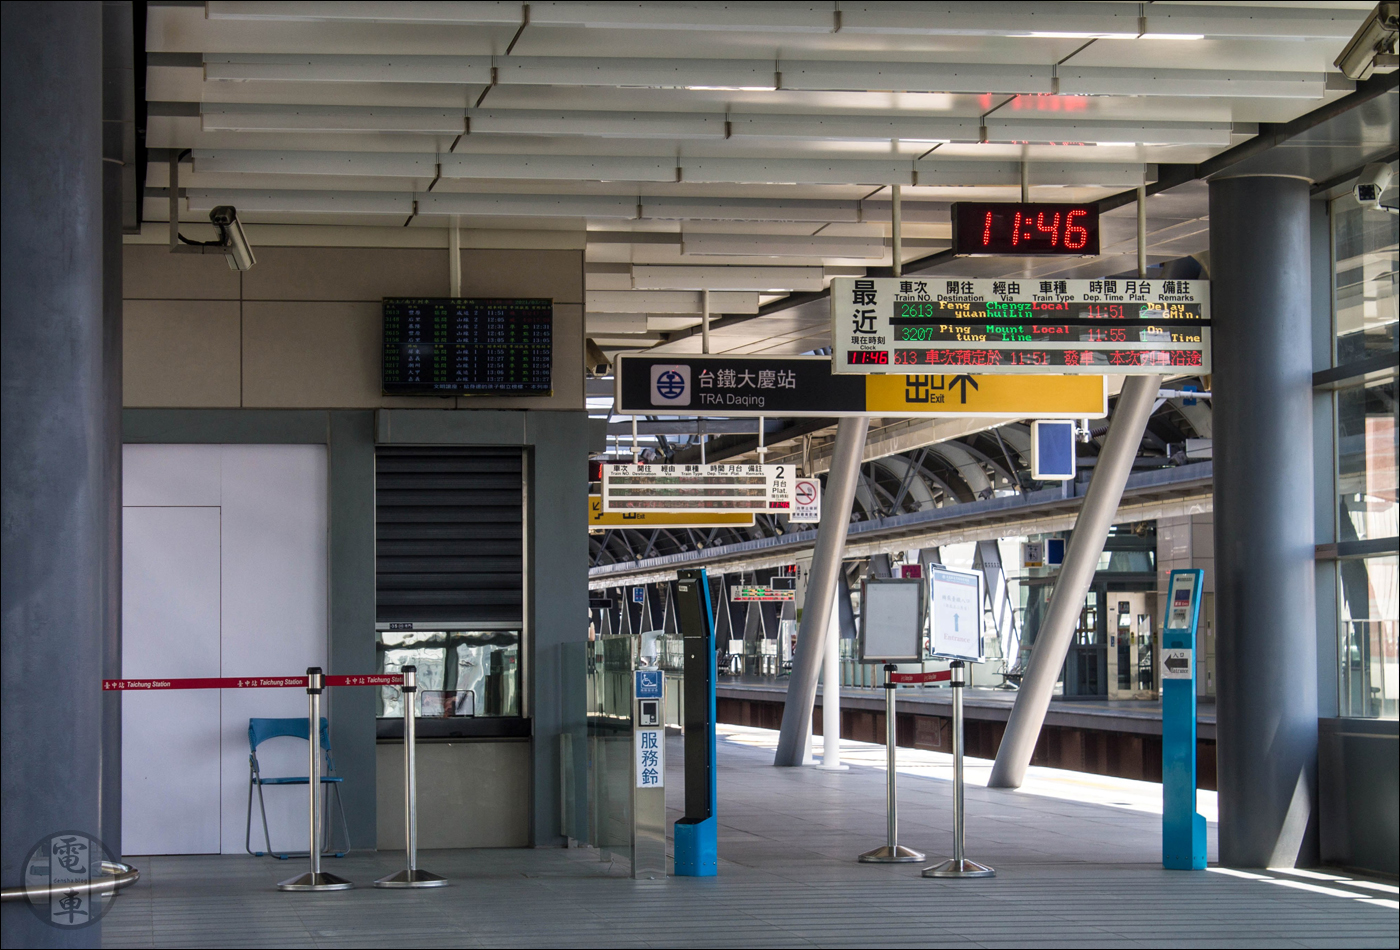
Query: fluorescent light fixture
x=1115 y=36
x=1057 y=35
x=769 y=88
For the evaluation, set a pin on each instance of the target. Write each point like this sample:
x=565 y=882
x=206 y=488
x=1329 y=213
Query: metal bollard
x=411 y=876
x=893 y=852
x=958 y=865
x=315 y=879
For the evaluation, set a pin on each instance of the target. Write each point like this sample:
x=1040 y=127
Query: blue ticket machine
x=697 y=837
x=1183 y=829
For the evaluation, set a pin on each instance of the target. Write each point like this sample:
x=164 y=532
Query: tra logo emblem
x=670 y=384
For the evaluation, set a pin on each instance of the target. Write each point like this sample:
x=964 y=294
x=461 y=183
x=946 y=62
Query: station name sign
x=804 y=386
x=1076 y=327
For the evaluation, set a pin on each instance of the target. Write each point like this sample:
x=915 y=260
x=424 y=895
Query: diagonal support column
x=1114 y=465
x=821 y=589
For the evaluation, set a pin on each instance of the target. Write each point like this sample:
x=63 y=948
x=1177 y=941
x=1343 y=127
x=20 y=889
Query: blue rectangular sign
x=648 y=684
x=1052 y=450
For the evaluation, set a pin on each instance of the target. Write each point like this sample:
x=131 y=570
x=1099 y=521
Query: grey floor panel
x=1069 y=874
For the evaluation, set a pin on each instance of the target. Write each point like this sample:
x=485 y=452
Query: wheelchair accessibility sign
x=670 y=384
x=648 y=684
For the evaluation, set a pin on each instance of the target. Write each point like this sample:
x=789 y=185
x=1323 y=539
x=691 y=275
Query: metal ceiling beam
x=975 y=78
x=846 y=171
x=717 y=126
x=1005 y=19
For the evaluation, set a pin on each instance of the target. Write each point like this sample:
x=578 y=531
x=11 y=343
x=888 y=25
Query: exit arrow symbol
x=963 y=381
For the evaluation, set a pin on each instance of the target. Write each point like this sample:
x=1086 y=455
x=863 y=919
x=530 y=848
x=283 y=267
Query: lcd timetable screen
x=1011 y=229
x=450 y=346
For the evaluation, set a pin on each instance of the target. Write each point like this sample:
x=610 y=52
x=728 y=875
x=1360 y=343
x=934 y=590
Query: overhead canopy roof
x=745 y=148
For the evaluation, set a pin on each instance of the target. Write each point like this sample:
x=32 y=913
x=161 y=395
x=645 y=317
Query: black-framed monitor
x=468 y=346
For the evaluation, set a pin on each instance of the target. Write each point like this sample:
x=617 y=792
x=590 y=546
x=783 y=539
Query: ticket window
x=463 y=672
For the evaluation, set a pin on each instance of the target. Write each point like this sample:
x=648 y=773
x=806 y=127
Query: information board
x=956 y=612
x=690 y=488
x=1080 y=327
x=803 y=386
x=1019 y=229
x=892 y=620
x=761 y=594
x=450 y=346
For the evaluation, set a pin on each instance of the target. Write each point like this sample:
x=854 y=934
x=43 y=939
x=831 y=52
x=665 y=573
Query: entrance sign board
x=804 y=386
x=598 y=518
x=691 y=488
x=1093 y=327
x=955 y=599
x=891 y=620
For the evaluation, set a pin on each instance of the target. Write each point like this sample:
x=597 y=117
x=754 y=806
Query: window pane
x=1366 y=450
x=1370 y=603
x=1365 y=269
x=483 y=679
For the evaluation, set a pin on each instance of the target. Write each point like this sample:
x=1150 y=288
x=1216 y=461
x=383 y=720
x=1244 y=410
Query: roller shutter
x=449 y=534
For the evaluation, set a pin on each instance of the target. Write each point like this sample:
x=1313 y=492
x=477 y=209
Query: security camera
x=1371 y=184
x=232 y=239
x=1373 y=45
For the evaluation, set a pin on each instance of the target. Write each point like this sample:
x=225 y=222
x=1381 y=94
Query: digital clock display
x=1019 y=229
x=869 y=356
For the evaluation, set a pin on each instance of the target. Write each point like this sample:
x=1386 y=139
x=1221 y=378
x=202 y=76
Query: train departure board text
x=451 y=346
x=1110 y=326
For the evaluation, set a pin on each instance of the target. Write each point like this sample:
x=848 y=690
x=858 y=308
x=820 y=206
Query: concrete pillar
x=119 y=194
x=1266 y=645
x=822 y=584
x=53 y=414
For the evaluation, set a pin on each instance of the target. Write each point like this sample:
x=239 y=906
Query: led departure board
x=1018 y=229
x=450 y=346
x=1109 y=326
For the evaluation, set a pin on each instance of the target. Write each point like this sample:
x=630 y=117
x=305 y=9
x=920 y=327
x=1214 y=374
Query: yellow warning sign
x=1027 y=397
x=598 y=518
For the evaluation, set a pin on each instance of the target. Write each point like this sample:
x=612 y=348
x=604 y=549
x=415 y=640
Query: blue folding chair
x=260 y=731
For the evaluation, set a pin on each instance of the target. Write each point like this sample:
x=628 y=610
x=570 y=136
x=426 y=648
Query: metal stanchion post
x=411 y=876
x=315 y=879
x=893 y=852
x=958 y=865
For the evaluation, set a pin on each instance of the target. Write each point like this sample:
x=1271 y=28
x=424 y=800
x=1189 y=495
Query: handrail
x=119 y=876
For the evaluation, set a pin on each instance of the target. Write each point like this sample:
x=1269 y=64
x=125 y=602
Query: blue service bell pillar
x=1183 y=828
x=697 y=834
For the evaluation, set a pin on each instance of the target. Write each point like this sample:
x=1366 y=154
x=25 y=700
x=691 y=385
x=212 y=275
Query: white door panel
x=170 y=628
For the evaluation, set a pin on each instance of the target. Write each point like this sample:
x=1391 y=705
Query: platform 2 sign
x=982 y=326
x=697 y=488
x=804 y=386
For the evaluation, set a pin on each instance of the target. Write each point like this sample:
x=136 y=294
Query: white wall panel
x=274 y=621
x=236 y=587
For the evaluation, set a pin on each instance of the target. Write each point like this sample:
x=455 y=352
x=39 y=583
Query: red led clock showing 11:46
x=1011 y=229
